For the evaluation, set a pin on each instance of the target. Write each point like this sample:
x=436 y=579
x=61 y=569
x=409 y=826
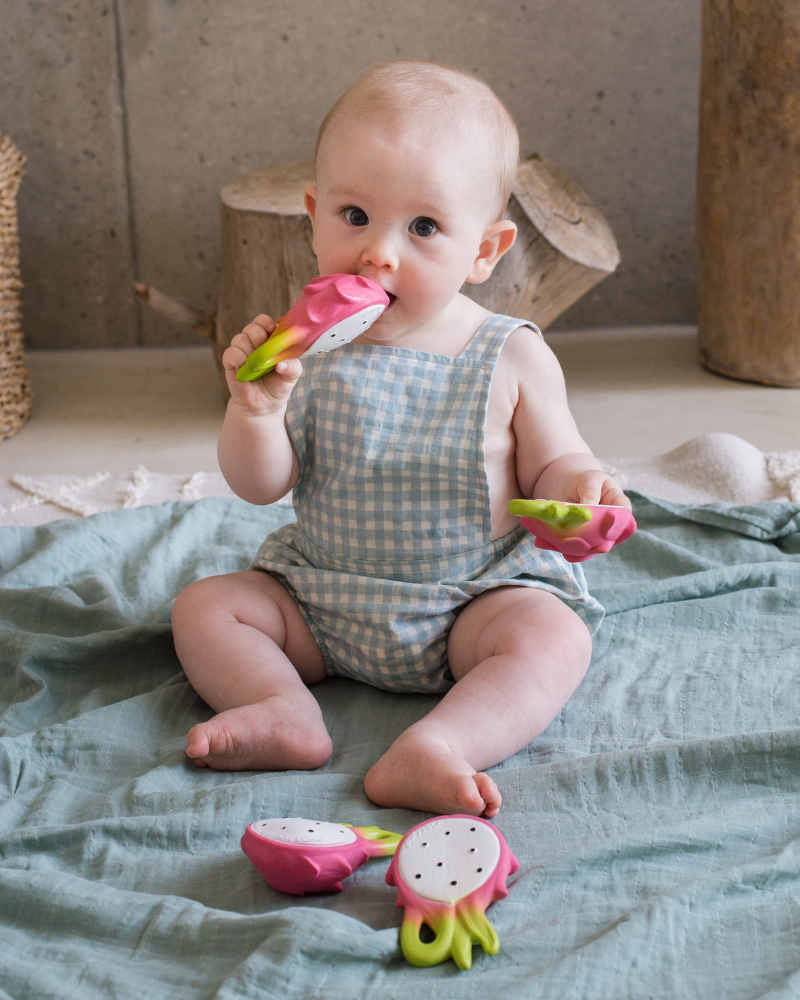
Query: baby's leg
x=249 y=654
x=517 y=655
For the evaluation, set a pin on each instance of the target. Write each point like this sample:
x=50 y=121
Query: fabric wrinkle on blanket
x=656 y=820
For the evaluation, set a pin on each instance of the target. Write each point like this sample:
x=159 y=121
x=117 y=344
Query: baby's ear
x=497 y=240
x=310 y=199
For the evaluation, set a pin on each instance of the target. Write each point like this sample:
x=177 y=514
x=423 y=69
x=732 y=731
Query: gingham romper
x=393 y=531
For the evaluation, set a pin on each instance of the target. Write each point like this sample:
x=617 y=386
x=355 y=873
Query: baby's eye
x=356 y=216
x=423 y=226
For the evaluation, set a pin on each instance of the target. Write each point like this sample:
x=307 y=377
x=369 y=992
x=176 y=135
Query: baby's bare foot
x=272 y=735
x=420 y=771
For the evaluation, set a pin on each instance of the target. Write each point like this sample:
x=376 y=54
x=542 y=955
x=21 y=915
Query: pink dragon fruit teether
x=577 y=531
x=302 y=855
x=332 y=311
x=447 y=872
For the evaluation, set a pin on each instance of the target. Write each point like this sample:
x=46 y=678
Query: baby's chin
x=378 y=334
x=387 y=326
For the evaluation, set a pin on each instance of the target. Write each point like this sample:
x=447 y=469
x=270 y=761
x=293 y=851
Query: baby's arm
x=552 y=459
x=255 y=454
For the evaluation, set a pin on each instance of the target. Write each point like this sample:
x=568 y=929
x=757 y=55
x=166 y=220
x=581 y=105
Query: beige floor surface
x=640 y=392
x=634 y=392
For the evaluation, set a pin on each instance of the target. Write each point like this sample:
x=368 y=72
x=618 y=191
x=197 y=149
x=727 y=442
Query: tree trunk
x=266 y=247
x=748 y=190
x=564 y=247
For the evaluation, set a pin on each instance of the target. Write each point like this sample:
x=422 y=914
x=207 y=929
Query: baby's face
x=408 y=212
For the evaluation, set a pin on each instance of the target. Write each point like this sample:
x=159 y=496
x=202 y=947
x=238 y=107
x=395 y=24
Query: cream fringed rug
x=705 y=469
x=32 y=500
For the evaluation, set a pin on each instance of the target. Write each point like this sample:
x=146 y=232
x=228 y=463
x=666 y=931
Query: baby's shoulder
x=525 y=355
x=526 y=370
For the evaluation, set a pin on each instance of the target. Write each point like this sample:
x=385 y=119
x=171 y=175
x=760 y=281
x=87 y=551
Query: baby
x=404 y=569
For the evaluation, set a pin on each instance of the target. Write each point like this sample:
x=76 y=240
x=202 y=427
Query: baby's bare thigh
x=259 y=600
x=518 y=619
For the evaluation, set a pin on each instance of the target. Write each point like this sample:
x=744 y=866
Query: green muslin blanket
x=656 y=820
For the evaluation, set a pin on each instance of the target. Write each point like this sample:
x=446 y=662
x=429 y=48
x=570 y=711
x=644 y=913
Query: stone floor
x=634 y=392
x=639 y=392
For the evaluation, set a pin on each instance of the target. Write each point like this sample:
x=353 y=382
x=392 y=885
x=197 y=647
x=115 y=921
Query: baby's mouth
x=392 y=299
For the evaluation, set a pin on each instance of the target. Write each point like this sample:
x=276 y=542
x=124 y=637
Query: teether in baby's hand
x=301 y=855
x=447 y=872
x=577 y=531
x=332 y=311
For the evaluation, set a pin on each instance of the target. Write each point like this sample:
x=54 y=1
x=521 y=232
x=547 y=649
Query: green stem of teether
x=385 y=837
x=264 y=358
x=478 y=927
x=561 y=516
x=438 y=950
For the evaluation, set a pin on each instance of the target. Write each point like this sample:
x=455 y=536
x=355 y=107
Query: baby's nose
x=381 y=253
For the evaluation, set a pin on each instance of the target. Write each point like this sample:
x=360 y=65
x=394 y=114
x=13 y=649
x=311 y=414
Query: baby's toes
x=490 y=794
x=468 y=795
x=198 y=743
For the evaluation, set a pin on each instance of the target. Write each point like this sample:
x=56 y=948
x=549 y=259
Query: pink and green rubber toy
x=301 y=855
x=577 y=531
x=447 y=871
x=332 y=311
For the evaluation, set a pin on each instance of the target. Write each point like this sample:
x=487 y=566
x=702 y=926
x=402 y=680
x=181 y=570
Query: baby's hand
x=271 y=392
x=593 y=486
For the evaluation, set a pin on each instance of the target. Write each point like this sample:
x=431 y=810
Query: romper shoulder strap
x=490 y=336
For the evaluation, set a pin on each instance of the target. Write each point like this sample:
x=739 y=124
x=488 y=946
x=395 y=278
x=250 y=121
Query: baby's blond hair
x=425 y=96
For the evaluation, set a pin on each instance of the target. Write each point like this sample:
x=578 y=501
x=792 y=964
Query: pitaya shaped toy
x=577 y=531
x=302 y=855
x=332 y=311
x=447 y=871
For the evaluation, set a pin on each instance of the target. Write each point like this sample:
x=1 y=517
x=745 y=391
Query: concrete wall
x=133 y=113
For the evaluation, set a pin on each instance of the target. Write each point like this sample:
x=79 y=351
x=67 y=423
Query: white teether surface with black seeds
x=345 y=331
x=294 y=830
x=445 y=860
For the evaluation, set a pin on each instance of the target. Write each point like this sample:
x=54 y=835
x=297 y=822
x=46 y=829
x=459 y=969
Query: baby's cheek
x=435 y=286
x=334 y=256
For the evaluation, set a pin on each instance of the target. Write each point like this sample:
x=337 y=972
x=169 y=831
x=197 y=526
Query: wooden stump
x=564 y=248
x=266 y=247
x=748 y=190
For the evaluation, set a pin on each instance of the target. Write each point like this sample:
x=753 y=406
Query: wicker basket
x=15 y=381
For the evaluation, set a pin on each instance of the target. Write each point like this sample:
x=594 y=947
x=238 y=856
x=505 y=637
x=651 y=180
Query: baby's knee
x=196 y=601
x=551 y=628
x=576 y=637
x=568 y=640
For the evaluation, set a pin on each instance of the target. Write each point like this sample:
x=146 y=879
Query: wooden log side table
x=748 y=190
x=266 y=247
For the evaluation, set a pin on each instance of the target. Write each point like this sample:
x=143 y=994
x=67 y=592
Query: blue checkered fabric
x=393 y=531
